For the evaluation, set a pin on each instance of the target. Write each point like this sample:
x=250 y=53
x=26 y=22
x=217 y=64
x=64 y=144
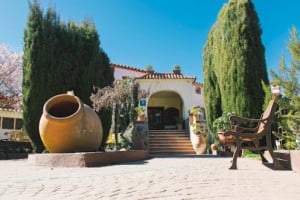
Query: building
x=10 y=117
x=170 y=94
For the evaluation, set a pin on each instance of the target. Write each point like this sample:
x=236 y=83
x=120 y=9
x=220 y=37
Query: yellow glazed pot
x=68 y=125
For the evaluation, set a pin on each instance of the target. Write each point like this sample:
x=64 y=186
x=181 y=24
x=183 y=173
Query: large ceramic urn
x=199 y=142
x=68 y=125
x=198 y=135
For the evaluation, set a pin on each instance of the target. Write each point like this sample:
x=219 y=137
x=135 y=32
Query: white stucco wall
x=198 y=99
x=119 y=73
x=182 y=87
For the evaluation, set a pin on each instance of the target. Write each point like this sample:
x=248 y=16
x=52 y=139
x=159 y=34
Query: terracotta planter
x=229 y=140
x=141 y=118
x=214 y=147
x=67 y=125
x=194 y=118
x=199 y=143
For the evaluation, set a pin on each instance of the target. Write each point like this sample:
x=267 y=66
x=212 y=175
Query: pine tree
x=234 y=63
x=288 y=80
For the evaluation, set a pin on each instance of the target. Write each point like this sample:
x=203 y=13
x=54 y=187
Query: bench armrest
x=241 y=129
x=240 y=135
x=242 y=119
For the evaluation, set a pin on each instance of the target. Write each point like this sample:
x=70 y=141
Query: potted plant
x=149 y=69
x=222 y=124
x=140 y=113
x=176 y=69
x=199 y=136
x=198 y=128
x=195 y=112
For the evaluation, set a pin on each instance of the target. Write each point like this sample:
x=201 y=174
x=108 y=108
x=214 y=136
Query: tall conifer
x=288 y=80
x=32 y=69
x=59 y=57
x=234 y=63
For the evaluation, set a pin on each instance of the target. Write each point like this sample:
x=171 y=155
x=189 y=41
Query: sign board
x=143 y=102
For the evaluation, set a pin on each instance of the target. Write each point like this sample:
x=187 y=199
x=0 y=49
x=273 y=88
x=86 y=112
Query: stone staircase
x=169 y=142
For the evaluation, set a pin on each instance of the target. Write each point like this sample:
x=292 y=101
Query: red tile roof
x=127 y=68
x=165 y=76
x=198 y=84
x=154 y=75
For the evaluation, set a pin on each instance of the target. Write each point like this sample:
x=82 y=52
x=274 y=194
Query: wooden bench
x=255 y=139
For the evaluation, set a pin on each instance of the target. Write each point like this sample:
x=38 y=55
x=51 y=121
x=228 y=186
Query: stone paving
x=175 y=177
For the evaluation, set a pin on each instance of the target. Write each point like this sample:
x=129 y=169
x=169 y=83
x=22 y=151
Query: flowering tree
x=10 y=72
x=122 y=98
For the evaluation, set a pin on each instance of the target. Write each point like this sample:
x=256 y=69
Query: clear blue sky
x=157 y=32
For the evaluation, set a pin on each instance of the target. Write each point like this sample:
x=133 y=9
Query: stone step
x=169 y=142
x=171 y=148
x=169 y=145
x=172 y=153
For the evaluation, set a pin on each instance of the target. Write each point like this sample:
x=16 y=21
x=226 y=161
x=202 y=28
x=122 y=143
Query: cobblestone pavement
x=182 y=177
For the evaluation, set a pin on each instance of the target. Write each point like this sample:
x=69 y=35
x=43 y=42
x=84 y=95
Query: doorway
x=155 y=118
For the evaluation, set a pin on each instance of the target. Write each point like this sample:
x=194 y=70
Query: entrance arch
x=164 y=109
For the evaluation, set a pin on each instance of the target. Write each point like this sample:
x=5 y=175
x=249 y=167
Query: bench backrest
x=269 y=114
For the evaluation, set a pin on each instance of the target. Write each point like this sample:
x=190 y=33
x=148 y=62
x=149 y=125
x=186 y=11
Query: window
x=198 y=90
x=19 y=124
x=7 y=123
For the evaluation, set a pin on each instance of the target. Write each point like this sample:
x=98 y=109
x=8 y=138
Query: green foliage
x=250 y=154
x=268 y=94
x=284 y=132
x=288 y=80
x=149 y=67
x=222 y=123
x=234 y=63
x=31 y=60
x=198 y=128
x=290 y=142
x=130 y=135
x=195 y=110
x=140 y=110
x=176 y=67
x=123 y=99
x=59 y=57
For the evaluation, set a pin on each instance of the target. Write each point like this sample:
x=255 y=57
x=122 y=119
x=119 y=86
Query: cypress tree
x=59 y=57
x=32 y=68
x=234 y=63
